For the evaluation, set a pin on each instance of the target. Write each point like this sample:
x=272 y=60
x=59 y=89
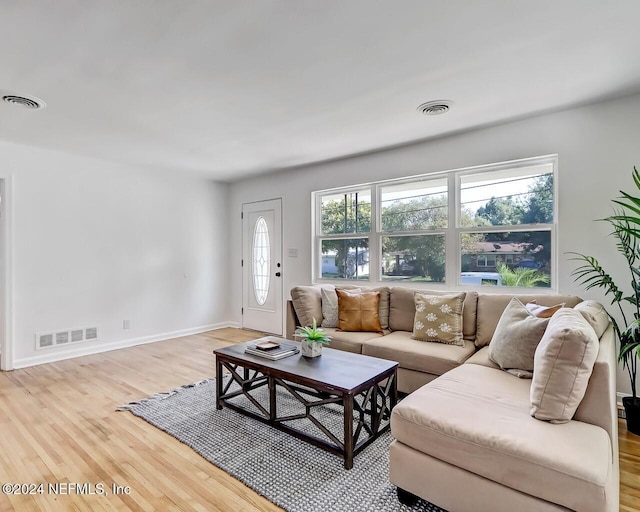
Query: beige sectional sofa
x=464 y=436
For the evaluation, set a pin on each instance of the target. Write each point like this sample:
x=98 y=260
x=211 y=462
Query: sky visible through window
x=477 y=190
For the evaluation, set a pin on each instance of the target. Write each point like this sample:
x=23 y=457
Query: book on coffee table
x=279 y=349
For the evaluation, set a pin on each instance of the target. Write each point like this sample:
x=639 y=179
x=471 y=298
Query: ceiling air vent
x=435 y=108
x=30 y=103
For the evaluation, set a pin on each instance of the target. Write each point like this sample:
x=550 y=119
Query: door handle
x=278 y=274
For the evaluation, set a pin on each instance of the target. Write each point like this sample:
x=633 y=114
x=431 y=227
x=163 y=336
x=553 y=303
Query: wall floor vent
x=44 y=340
x=64 y=337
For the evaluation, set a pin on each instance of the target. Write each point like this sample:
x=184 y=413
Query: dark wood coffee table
x=364 y=386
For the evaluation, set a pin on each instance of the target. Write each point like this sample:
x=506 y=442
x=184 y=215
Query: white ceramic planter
x=311 y=349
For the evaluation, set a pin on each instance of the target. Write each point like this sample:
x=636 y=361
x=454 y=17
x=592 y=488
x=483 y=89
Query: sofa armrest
x=599 y=405
x=292 y=320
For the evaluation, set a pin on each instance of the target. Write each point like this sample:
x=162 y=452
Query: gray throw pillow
x=307 y=303
x=516 y=338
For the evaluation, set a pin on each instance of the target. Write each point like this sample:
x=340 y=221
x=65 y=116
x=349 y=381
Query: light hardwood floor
x=58 y=424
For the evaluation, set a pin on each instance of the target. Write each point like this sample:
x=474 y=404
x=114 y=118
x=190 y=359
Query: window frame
x=486 y=260
x=342 y=190
x=318 y=236
x=452 y=233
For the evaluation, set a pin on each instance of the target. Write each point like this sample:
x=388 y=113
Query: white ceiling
x=234 y=88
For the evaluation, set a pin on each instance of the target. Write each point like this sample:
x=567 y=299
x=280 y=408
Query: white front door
x=262 y=305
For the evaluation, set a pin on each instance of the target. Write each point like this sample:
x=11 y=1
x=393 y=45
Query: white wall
x=597 y=147
x=96 y=243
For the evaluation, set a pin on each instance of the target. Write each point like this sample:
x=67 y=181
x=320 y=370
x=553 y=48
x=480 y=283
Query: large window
x=492 y=225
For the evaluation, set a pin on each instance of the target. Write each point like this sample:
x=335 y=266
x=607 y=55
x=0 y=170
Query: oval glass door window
x=261 y=261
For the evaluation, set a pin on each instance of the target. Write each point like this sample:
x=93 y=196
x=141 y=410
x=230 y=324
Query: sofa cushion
x=563 y=365
x=594 y=313
x=402 y=310
x=435 y=358
x=481 y=357
x=307 y=303
x=350 y=341
x=599 y=405
x=477 y=418
x=358 y=311
x=438 y=318
x=516 y=338
x=491 y=306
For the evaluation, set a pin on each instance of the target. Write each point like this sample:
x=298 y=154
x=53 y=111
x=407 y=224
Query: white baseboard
x=51 y=356
x=620 y=397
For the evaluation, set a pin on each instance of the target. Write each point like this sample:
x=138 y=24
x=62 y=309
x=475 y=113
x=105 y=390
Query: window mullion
x=452 y=261
x=343 y=236
x=514 y=228
x=316 y=253
x=374 y=237
x=439 y=231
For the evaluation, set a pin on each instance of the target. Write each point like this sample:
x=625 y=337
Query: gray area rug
x=289 y=472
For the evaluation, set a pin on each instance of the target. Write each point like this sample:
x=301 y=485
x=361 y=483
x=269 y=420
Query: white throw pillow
x=594 y=313
x=563 y=364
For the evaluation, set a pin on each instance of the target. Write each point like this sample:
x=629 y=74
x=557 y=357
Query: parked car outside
x=481 y=278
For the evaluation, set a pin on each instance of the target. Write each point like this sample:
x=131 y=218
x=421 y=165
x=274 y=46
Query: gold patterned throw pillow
x=439 y=318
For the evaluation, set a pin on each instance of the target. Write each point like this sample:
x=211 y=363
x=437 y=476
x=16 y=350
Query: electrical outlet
x=126 y=324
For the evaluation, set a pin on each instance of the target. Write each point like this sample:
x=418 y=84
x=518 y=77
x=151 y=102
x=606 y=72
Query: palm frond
x=629 y=341
x=592 y=275
x=524 y=277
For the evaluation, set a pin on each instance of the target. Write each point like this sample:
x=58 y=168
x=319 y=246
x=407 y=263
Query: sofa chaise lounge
x=464 y=436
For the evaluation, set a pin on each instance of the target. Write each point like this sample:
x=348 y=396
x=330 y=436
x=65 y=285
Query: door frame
x=6 y=273
x=281 y=281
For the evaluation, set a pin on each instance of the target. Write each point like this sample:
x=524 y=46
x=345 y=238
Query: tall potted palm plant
x=625 y=222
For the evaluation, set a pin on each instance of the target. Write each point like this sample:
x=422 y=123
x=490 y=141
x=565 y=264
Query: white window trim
x=486 y=256
x=452 y=232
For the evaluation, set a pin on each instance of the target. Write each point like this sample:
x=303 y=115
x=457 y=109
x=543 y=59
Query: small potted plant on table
x=312 y=340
